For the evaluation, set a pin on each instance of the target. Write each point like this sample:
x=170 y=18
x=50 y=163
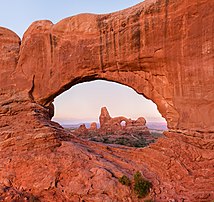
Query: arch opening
x=80 y=110
x=123 y=123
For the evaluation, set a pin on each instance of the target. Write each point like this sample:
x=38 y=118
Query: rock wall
x=163 y=49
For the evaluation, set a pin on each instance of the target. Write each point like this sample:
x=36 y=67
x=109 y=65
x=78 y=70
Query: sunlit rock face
x=163 y=49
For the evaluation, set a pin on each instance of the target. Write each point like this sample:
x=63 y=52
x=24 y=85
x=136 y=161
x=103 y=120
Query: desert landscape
x=117 y=130
x=164 y=50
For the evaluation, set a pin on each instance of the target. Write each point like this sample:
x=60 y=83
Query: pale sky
x=82 y=102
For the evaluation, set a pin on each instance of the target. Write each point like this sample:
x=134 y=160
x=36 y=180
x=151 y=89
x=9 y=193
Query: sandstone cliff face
x=9 y=46
x=163 y=49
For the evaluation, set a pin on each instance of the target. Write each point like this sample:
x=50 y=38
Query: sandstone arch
x=137 y=47
x=161 y=48
x=89 y=72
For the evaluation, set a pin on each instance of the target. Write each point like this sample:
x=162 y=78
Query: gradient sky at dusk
x=82 y=102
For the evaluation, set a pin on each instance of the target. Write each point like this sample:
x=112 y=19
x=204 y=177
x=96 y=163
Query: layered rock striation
x=163 y=49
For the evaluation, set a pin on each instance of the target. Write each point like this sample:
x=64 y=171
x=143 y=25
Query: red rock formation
x=93 y=126
x=161 y=48
x=104 y=117
x=140 y=121
x=133 y=133
x=109 y=124
x=82 y=129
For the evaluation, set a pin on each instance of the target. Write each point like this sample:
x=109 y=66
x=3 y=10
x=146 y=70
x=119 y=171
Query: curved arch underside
x=163 y=49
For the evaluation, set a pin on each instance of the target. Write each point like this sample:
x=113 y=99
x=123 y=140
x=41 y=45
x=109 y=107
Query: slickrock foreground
x=163 y=49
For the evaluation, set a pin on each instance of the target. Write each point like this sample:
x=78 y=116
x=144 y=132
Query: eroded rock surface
x=161 y=48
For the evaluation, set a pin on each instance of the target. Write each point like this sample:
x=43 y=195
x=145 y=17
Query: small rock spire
x=104 y=116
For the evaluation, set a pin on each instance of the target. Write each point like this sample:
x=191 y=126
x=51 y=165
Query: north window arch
x=79 y=108
x=83 y=102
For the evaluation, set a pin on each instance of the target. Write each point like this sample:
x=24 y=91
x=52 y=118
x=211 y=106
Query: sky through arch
x=82 y=103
